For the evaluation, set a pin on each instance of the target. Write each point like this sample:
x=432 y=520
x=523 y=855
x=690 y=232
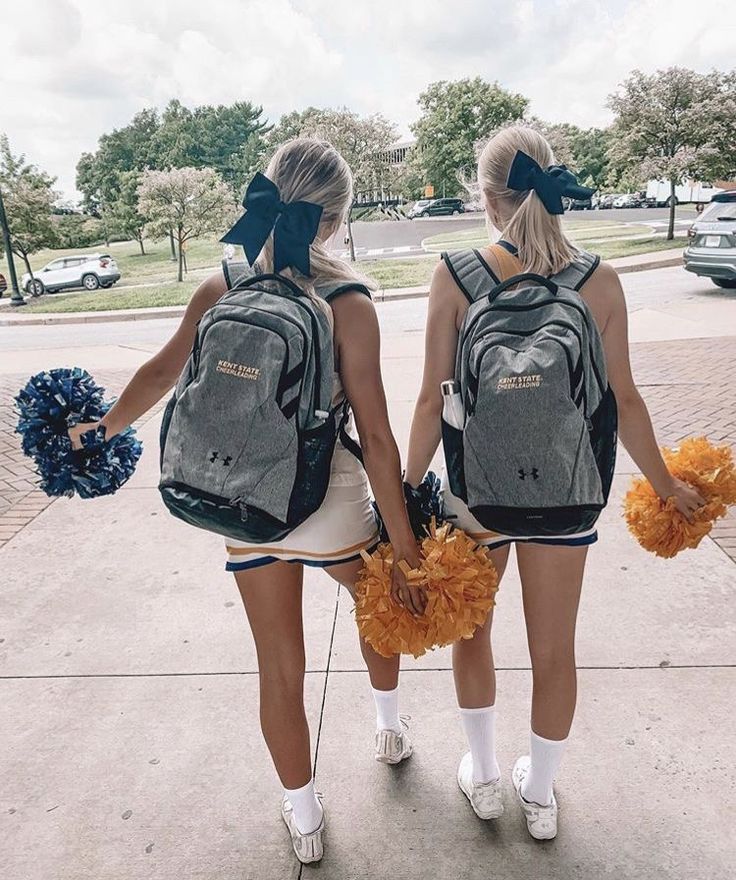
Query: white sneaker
x=307 y=847
x=392 y=747
x=484 y=797
x=541 y=821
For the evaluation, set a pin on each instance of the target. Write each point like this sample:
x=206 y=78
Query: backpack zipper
x=587 y=317
x=526 y=334
x=315 y=331
x=568 y=358
x=510 y=307
x=198 y=345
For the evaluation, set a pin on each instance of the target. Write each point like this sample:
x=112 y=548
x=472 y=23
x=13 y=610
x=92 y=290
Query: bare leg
x=551 y=579
x=383 y=671
x=472 y=659
x=272 y=597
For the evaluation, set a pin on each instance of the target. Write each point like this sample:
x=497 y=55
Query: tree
x=124 y=212
x=130 y=148
x=29 y=198
x=362 y=141
x=455 y=117
x=28 y=206
x=188 y=201
x=229 y=139
x=674 y=124
x=585 y=150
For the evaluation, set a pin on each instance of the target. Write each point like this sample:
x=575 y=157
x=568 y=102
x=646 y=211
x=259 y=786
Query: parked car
x=712 y=249
x=603 y=202
x=580 y=204
x=435 y=207
x=81 y=270
x=627 y=200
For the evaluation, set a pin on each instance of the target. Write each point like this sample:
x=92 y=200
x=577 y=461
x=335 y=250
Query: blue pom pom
x=51 y=403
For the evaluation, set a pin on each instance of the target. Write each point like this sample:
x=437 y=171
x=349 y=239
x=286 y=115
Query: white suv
x=83 y=270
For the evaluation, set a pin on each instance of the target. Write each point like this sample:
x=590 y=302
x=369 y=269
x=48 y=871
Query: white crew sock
x=545 y=755
x=387 y=710
x=480 y=730
x=307 y=808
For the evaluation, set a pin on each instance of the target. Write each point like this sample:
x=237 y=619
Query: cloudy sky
x=73 y=69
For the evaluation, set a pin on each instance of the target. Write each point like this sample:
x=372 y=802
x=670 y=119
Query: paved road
x=404 y=237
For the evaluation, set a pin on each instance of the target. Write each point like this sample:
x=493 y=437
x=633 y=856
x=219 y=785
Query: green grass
x=156 y=265
x=612 y=249
x=138 y=298
x=156 y=268
x=599 y=237
x=399 y=273
x=387 y=273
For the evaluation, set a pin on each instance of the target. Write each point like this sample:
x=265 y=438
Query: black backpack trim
x=596 y=262
x=330 y=294
x=469 y=270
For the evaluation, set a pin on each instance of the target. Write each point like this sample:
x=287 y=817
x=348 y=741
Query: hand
x=403 y=591
x=687 y=500
x=76 y=431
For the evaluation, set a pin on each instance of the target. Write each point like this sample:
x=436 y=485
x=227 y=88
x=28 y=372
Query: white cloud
x=73 y=69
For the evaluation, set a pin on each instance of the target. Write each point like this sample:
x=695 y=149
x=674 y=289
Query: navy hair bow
x=550 y=185
x=294 y=226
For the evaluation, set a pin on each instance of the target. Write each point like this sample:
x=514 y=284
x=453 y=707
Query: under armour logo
x=534 y=474
x=226 y=461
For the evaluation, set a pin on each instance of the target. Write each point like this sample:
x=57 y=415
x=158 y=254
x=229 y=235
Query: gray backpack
x=248 y=436
x=537 y=451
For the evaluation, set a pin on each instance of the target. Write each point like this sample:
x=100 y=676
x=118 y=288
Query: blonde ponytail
x=542 y=245
x=311 y=170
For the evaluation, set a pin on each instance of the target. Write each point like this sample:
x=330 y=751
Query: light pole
x=16 y=298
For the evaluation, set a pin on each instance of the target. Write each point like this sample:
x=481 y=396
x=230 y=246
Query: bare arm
x=359 y=354
x=154 y=378
x=635 y=424
x=440 y=346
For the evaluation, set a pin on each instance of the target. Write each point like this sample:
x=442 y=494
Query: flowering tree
x=674 y=124
x=189 y=201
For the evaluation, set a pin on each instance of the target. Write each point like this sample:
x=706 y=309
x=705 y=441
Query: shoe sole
x=540 y=837
x=386 y=759
x=491 y=814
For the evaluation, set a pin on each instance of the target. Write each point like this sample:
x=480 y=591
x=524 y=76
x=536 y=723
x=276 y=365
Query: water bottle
x=453 y=411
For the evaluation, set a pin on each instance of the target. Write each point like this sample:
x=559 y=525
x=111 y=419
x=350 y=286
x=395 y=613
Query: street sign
x=429 y=191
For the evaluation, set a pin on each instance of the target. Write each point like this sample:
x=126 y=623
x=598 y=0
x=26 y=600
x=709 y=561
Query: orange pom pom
x=460 y=581
x=657 y=525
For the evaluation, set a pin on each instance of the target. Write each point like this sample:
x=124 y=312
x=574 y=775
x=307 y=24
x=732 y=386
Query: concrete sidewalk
x=129 y=686
x=13 y=317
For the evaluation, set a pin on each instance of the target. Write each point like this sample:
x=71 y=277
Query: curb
x=381 y=296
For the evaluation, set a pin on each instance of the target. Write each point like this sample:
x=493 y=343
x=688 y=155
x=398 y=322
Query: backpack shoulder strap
x=508 y=263
x=470 y=272
x=330 y=292
x=577 y=273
